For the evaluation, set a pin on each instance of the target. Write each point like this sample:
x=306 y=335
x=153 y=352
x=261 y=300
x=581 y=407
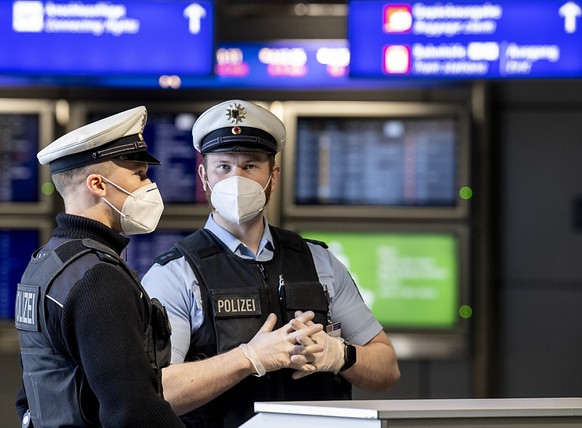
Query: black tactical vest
x=45 y=370
x=238 y=295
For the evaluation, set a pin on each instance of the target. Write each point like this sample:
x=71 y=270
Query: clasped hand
x=287 y=347
x=300 y=344
x=330 y=357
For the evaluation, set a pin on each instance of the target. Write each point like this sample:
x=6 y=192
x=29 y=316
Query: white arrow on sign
x=194 y=13
x=570 y=12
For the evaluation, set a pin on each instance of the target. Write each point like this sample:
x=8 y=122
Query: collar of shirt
x=266 y=247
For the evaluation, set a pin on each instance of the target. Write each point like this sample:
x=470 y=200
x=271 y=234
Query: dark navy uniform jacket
x=85 y=362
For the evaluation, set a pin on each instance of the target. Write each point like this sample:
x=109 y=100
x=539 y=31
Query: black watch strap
x=350 y=355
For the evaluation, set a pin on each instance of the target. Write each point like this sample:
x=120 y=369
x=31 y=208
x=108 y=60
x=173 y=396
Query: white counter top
x=422 y=409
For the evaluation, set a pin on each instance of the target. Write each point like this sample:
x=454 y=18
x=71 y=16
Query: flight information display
x=120 y=37
x=465 y=39
x=19 y=168
x=16 y=247
x=143 y=249
x=169 y=139
x=373 y=161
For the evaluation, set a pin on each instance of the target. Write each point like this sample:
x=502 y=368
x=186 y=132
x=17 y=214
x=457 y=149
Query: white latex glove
x=329 y=359
x=271 y=350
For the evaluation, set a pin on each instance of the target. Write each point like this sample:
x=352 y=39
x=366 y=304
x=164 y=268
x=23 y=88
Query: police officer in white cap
x=239 y=274
x=92 y=343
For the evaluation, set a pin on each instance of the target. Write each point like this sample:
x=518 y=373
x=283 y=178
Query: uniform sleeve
x=21 y=403
x=347 y=306
x=103 y=325
x=176 y=287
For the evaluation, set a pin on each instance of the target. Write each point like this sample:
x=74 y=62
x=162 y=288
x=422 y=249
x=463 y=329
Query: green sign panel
x=409 y=280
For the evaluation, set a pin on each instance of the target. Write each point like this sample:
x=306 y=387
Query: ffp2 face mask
x=142 y=209
x=238 y=199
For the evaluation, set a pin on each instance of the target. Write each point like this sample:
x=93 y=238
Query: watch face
x=350 y=355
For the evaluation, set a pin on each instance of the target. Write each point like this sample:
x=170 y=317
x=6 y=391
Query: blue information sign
x=305 y=63
x=283 y=64
x=115 y=37
x=465 y=39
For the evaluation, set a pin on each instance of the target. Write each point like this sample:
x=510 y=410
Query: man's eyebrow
x=222 y=160
x=243 y=159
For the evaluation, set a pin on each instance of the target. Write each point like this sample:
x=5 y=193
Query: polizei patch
x=227 y=306
x=26 y=309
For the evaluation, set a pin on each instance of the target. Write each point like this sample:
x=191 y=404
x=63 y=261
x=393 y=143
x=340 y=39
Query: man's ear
x=275 y=175
x=202 y=175
x=96 y=185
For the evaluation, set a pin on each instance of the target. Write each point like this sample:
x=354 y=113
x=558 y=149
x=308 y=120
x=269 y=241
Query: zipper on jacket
x=265 y=284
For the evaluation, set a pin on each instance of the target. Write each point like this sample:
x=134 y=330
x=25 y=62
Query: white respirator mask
x=238 y=199
x=142 y=209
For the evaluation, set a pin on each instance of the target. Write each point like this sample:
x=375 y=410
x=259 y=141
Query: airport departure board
x=169 y=139
x=371 y=161
x=143 y=249
x=19 y=168
x=16 y=247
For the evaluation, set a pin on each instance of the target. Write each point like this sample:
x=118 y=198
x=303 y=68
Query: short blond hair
x=70 y=182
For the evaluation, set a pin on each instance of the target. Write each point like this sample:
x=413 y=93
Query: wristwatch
x=350 y=355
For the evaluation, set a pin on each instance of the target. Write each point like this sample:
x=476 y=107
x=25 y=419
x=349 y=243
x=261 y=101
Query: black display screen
x=16 y=247
x=19 y=168
x=169 y=139
x=143 y=249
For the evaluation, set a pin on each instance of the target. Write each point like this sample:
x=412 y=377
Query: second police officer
x=222 y=284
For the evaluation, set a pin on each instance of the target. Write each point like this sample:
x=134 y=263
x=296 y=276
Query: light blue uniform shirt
x=177 y=288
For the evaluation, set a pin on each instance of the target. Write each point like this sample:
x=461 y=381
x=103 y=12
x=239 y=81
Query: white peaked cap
x=114 y=137
x=238 y=126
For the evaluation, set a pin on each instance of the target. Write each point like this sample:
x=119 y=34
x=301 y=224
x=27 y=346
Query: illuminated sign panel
x=408 y=280
x=306 y=64
x=80 y=38
x=284 y=63
x=465 y=39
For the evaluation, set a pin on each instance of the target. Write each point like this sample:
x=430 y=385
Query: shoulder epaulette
x=168 y=256
x=316 y=242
